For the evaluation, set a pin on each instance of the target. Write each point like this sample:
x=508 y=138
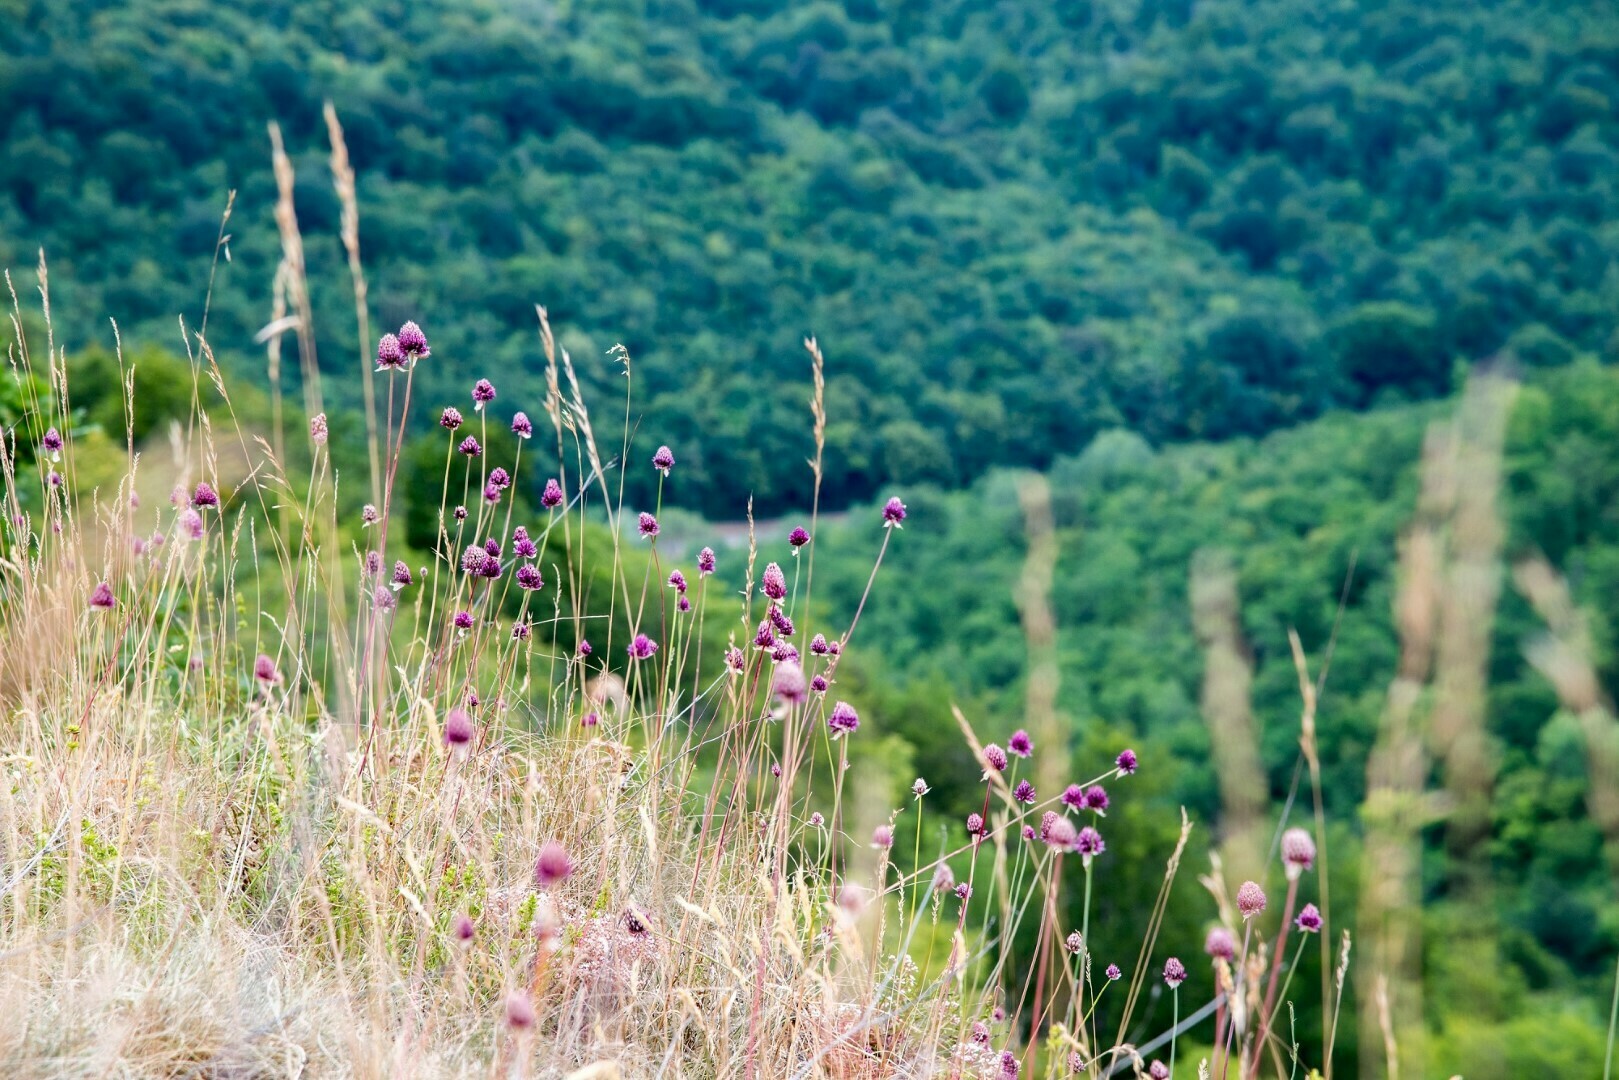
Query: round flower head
x=590 y=719
x=491 y=567
x=413 y=343
x=459 y=513
x=500 y=478
x=483 y=392
x=463 y=928
x=1174 y=972
x=734 y=660
x=463 y=620
x=817 y=819
x=528 y=577
x=401 y=576
x=882 y=837
x=996 y=757
x=551 y=497
x=779 y=619
x=204 y=496
x=101 y=597
x=705 y=561
x=980 y=1033
x=1309 y=920
x=663 y=460
x=369 y=515
x=893 y=514
x=1298 y=852
x=522 y=426
x=964 y=891
x=1010 y=1066
x=1125 y=762
x=798 y=537
x=789 y=682
x=584 y=648
x=1220 y=944
x=264 y=670
x=389 y=354
x=775 y=770
x=1158 y=1071
x=1113 y=973
x=1073 y=797
x=469 y=446
x=1024 y=792
x=52 y=443
x=642 y=647
x=677 y=581
x=818 y=645
x=1089 y=843
x=920 y=787
x=1074 y=943
x=523 y=545
x=450 y=418
x=819 y=684
x=843 y=719
x=1020 y=744
x=1096 y=799
x=521 y=630
x=519 y=1011
x=975 y=825
x=1250 y=899
x=774 y=582
x=457 y=728
x=491 y=492
x=553 y=865
x=647 y=524
x=766 y=636
x=317 y=429
x=383 y=598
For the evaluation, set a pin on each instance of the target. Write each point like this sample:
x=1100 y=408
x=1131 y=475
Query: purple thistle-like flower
x=779 y=619
x=1020 y=744
x=204 y=495
x=818 y=684
x=975 y=825
x=774 y=583
x=369 y=515
x=783 y=651
x=459 y=513
x=463 y=928
x=458 y=729
x=528 y=577
x=491 y=567
x=1174 y=972
x=401 y=576
x=491 y=492
x=882 y=837
x=551 y=497
x=683 y=604
x=55 y=480
x=1220 y=944
x=647 y=524
x=500 y=478
x=590 y=719
x=413 y=343
x=1073 y=797
x=553 y=865
x=101 y=597
x=1060 y=833
x=584 y=647
x=1074 y=943
x=789 y=681
x=190 y=524
x=980 y=1033
x=463 y=620
x=1309 y=920
x=472 y=560
x=521 y=630
x=1089 y=842
x=663 y=460
x=450 y=418
x=705 y=561
x=1158 y=1071
x=798 y=537
x=519 y=1010
x=677 y=582
x=491 y=547
x=996 y=757
x=1028 y=832
x=1113 y=973
x=1126 y=762
x=384 y=599
x=523 y=545
x=469 y=446
x=817 y=819
x=1298 y=852
x=964 y=891
x=893 y=514
x=318 y=433
x=642 y=647
x=389 y=354
x=1011 y=1067
x=1096 y=799
x=264 y=670
x=1024 y=792
x=765 y=638
x=483 y=392
x=522 y=426
x=735 y=660
x=52 y=442
x=818 y=645
x=843 y=720
x=1250 y=899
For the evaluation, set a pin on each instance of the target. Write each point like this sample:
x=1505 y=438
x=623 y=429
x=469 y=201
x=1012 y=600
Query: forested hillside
x=1012 y=225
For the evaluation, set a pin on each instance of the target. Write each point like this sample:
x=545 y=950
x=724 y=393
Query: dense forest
x=1012 y=225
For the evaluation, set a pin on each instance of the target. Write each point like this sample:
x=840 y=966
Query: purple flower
x=522 y=546
x=817 y=819
x=204 y=496
x=798 y=537
x=789 y=681
x=766 y=636
x=463 y=928
x=1250 y=899
x=818 y=684
x=500 y=478
x=384 y=598
x=528 y=577
x=1113 y=973
x=642 y=647
x=317 y=429
x=101 y=597
x=469 y=446
x=483 y=392
x=774 y=582
x=52 y=442
x=1089 y=842
x=843 y=720
x=683 y=604
x=401 y=576
x=1024 y=792
x=1174 y=972
x=663 y=460
x=459 y=513
x=818 y=645
x=735 y=660
x=783 y=651
x=1059 y=833
x=1020 y=744
x=450 y=418
x=522 y=427
x=1073 y=797
x=647 y=524
x=369 y=515
x=264 y=670
x=980 y=1033
x=964 y=891
x=1010 y=1065
x=521 y=630
x=491 y=492
x=1298 y=852
x=54 y=479
x=1220 y=944
x=519 y=1011
x=389 y=354
x=779 y=619
x=553 y=865
x=463 y=620
x=457 y=728
x=584 y=648
x=975 y=825
x=705 y=561
x=1074 y=943
x=1158 y=1071
x=1309 y=920
x=677 y=581
x=491 y=547
x=996 y=757
x=413 y=343
x=551 y=498
x=1126 y=762
x=190 y=524
x=893 y=514
x=590 y=719
x=882 y=837
x=1096 y=799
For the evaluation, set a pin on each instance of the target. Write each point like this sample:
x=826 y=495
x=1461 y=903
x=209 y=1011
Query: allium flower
x=521 y=630
x=1220 y=944
x=775 y=770
x=975 y=825
x=52 y=443
x=500 y=478
x=893 y=514
x=783 y=625
x=483 y=392
x=663 y=460
x=401 y=576
x=1309 y=920
x=783 y=651
x=734 y=659
x=705 y=561
x=647 y=524
x=964 y=891
x=459 y=513
x=1158 y=1071
x=818 y=645
x=101 y=597
x=463 y=620
x=834 y=647
x=384 y=598
x=204 y=495
x=1024 y=792
x=472 y=560
x=528 y=577
x=774 y=583
x=798 y=537
x=190 y=525
x=590 y=719
x=519 y=1011
x=458 y=729
x=819 y=684
x=1028 y=832
x=450 y=418
x=1089 y=842
x=1298 y=852
x=522 y=546
x=1126 y=762
x=996 y=757
x=980 y=1033
x=389 y=354
x=816 y=819
x=1059 y=833
x=553 y=865
x=882 y=837
x=677 y=581
x=369 y=515
x=491 y=548
x=413 y=343
x=1010 y=1065
x=1073 y=797
x=1113 y=973
x=1250 y=899
x=551 y=497
x=789 y=682
x=469 y=446
x=1096 y=799
x=491 y=492
x=1020 y=744
x=264 y=670
x=463 y=928
x=317 y=429
x=1074 y=943
x=642 y=647
x=522 y=426
x=584 y=647
x=920 y=787
x=1174 y=972
x=765 y=638
x=843 y=720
